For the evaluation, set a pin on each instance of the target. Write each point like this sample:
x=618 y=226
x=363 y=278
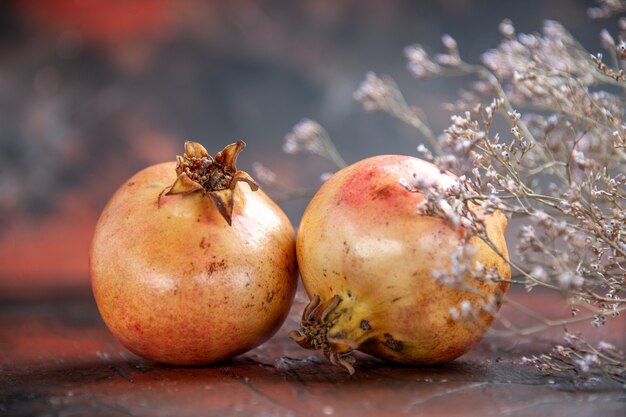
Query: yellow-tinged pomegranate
x=366 y=256
x=191 y=263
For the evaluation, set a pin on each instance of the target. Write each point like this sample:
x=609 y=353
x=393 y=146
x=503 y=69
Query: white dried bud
x=448 y=212
x=374 y=93
x=527 y=40
x=305 y=137
x=569 y=279
x=561 y=350
x=591 y=358
x=419 y=63
x=449 y=42
x=511 y=185
x=605 y=346
x=290 y=146
x=447 y=59
x=541 y=215
x=553 y=29
x=514 y=115
x=582 y=365
x=552 y=120
x=458 y=121
x=493 y=199
x=325 y=176
x=506 y=28
x=404 y=183
x=539 y=273
x=606 y=39
x=466 y=308
x=491 y=173
x=579 y=158
x=263 y=173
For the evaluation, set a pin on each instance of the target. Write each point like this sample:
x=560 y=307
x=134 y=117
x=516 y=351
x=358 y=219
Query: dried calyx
x=329 y=329
x=215 y=177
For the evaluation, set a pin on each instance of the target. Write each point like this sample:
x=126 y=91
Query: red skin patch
x=378 y=183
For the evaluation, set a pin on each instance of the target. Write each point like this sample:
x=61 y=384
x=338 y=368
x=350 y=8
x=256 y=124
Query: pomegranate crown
x=214 y=177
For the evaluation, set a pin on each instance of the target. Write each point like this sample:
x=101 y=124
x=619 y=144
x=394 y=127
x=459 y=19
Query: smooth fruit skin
x=361 y=238
x=176 y=284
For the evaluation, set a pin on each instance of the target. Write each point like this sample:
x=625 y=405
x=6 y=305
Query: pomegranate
x=191 y=263
x=367 y=256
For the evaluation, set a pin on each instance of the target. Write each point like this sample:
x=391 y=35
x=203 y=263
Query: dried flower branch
x=309 y=136
x=579 y=357
x=560 y=171
x=377 y=93
x=616 y=75
x=561 y=168
x=607 y=8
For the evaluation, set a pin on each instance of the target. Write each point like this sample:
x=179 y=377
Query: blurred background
x=91 y=91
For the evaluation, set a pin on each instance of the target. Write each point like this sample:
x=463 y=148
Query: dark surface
x=58 y=359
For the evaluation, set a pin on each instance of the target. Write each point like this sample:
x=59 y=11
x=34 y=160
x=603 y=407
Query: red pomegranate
x=191 y=263
x=367 y=256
